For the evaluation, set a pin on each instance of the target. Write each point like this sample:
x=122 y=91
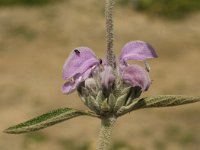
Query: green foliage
x=157 y=101
x=46 y=120
x=24 y=2
x=173 y=9
x=166 y=100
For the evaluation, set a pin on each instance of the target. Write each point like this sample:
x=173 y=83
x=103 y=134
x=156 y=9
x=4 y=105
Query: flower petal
x=135 y=76
x=79 y=61
x=71 y=86
x=107 y=77
x=137 y=50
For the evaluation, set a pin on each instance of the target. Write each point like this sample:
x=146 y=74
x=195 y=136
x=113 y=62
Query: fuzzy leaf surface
x=166 y=101
x=46 y=120
x=158 y=101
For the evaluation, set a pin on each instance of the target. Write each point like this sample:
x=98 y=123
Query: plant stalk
x=105 y=133
x=110 y=32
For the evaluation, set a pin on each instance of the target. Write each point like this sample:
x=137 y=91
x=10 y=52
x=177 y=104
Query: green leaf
x=166 y=101
x=46 y=120
x=158 y=101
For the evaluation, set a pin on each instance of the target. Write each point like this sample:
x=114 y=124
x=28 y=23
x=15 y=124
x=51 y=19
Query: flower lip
x=137 y=50
x=70 y=86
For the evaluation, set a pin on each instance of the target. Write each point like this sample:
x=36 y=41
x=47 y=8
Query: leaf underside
x=46 y=120
x=165 y=101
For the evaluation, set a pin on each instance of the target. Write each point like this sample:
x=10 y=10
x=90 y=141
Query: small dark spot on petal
x=77 y=51
x=100 y=61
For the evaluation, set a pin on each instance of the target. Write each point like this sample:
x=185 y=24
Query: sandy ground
x=34 y=43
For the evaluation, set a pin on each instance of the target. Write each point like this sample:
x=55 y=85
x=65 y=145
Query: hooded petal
x=79 y=61
x=78 y=68
x=137 y=50
x=135 y=76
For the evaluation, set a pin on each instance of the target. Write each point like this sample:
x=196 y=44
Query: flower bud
x=107 y=77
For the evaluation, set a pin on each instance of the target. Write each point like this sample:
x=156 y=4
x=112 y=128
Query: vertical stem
x=109 y=32
x=105 y=133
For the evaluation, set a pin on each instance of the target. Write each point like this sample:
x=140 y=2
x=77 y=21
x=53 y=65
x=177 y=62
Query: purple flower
x=135 y=75
x=107 y=77
x=82 y=65
x=78 y=67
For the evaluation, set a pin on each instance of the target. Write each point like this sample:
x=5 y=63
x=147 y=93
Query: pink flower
x=82 y=64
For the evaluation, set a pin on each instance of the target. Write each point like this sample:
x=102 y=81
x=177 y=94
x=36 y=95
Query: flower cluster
x=105 y=89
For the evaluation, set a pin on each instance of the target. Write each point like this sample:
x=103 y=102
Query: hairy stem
x=110 y=32
x=105 y=133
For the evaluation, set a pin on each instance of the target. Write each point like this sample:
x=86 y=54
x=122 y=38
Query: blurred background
x=36 y=37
